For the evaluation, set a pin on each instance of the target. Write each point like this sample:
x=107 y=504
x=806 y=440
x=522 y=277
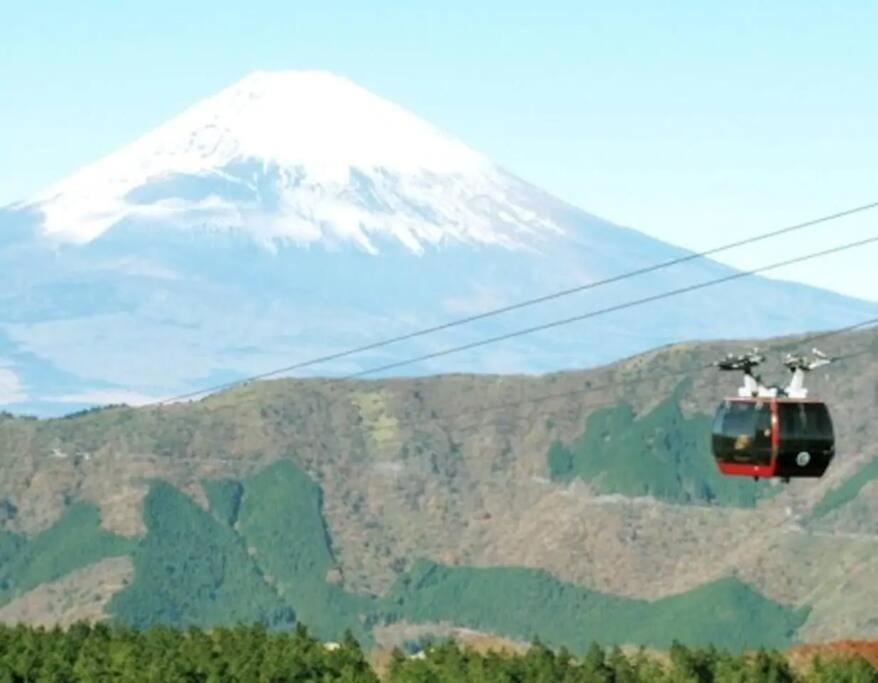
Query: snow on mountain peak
x=324 y=121
x=343 y=163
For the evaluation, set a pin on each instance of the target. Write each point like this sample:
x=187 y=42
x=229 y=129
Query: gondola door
x=745 y=437
x=765 y=435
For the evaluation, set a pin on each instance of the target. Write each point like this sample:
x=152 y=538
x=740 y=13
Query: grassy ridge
x=72 y=543
x=845 y=492
x=281 y=521
x=262 y=554
x=193 y=570
x=525 y=603
x=224 y=498
x=662 y=454
x=10 y=545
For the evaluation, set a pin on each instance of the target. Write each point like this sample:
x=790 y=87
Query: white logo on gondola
x=803 y=458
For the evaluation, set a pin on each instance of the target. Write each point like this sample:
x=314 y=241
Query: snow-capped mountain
x=302 y=157
x=295 y=214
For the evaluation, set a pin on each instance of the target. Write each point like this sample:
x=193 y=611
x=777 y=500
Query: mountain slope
x=291 y=143
x=330 y=496
x=191 y=571
x=295 y=214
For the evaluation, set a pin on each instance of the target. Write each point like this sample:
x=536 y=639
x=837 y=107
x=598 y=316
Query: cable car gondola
x=773 y=432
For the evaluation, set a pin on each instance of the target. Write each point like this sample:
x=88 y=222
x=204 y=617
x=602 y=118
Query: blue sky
x=696 y=122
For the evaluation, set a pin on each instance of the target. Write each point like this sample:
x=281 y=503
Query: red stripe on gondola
x=745 y=470
x=775 y=433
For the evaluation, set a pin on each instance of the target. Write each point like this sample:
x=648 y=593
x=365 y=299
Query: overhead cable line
x=505 y=420
x=517 y=306
x=590 y=389
x=632 y=382
x=609 y=309
x=620 y=384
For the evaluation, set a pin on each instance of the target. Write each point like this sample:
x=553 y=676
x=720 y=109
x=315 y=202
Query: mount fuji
x=295 y=214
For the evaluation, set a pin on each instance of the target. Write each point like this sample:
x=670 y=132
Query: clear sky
x=697 y=122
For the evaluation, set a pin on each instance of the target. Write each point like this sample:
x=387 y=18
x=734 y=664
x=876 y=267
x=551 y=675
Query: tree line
x=92 y=653
x=448 y=662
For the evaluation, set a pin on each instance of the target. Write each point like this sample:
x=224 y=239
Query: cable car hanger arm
x=752 y=384
x=799 y=365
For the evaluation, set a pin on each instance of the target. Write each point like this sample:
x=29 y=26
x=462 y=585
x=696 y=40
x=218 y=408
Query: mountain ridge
x=175 y=265
x=395 y=483
x=292 y=128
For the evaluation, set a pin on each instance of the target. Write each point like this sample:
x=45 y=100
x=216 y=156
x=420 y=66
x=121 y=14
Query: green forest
x=88 y=654
x=261 y=554
x=658 y=454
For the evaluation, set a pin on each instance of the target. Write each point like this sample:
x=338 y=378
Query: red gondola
x=773 y=432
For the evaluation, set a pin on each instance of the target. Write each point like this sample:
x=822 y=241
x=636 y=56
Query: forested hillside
x=577 y=507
